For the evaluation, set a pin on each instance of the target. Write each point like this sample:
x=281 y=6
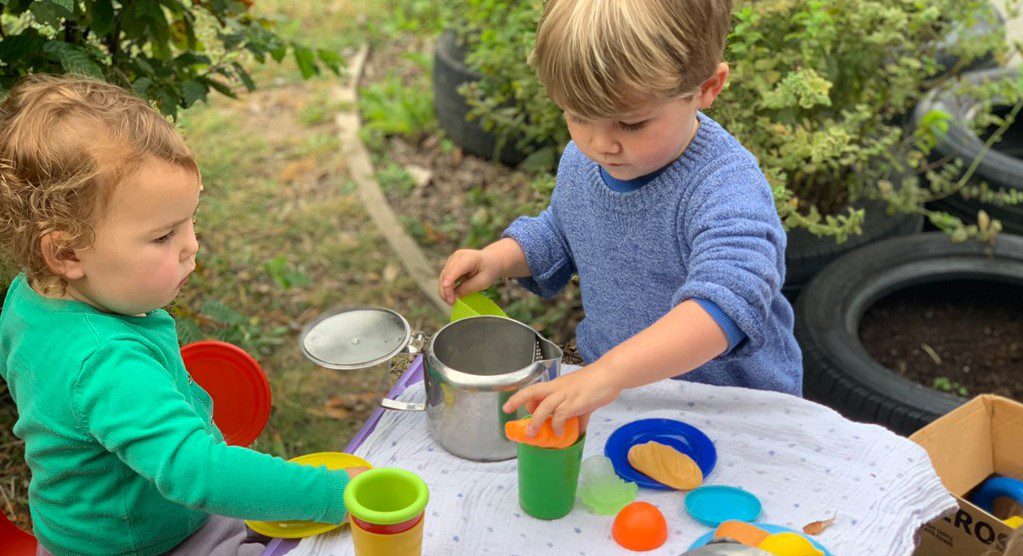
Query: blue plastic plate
x=714 y=504
x=703 y=540
x=683 y=437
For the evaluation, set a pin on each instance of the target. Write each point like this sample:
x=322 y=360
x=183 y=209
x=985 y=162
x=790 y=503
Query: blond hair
x=601 y=58
x=65 y=143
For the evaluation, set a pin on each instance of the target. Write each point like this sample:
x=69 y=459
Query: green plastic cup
x=548 y=478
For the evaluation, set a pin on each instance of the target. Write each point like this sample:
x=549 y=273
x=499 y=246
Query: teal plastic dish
x=715 y=504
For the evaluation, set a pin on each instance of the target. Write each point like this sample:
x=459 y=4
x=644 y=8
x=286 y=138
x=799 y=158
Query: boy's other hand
x=467 y=271
x=575 y=394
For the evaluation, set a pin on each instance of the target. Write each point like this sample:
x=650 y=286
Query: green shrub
x=816 y=93
x=508 y=100
x=173 y=52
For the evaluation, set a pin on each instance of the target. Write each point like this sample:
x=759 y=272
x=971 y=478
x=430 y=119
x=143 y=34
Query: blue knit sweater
x=706 y=228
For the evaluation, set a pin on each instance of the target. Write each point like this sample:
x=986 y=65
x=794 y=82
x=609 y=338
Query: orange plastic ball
x=640 y=526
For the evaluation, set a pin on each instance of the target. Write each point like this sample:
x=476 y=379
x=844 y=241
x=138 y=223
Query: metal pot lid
x=354 y=337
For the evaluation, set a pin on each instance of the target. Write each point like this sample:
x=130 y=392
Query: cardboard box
x=982 y=437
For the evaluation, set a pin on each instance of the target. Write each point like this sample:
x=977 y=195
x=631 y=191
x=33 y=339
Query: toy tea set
x=472 y=366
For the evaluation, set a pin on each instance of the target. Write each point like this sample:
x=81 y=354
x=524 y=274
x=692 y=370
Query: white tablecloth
x=804 y=461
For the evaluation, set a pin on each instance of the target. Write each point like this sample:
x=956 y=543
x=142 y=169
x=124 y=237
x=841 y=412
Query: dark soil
x=964 y=337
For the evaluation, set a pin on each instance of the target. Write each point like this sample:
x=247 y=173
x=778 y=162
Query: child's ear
x=711 y=88
x=60 y=259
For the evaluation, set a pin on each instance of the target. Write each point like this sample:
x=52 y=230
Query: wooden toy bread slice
x=666 y=465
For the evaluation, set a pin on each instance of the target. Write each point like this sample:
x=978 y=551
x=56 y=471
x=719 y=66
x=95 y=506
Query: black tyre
x=987 y=23
x=806 y=254
x=1001 y=167
x=838 y=370
x=450 y=73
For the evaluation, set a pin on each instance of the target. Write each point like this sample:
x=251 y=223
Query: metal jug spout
x=549 y=356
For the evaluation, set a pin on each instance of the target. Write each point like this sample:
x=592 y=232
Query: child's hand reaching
x=576 y=394
x=472 y=270
x=353 y=471
x=476 y=269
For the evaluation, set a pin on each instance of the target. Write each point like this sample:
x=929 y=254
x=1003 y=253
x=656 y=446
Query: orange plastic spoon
x=545 y=437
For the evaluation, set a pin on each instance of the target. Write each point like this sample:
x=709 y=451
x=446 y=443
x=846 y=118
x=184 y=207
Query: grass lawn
x=283 y=234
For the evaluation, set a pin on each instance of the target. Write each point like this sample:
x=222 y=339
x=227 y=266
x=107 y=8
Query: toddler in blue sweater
x=667 y=220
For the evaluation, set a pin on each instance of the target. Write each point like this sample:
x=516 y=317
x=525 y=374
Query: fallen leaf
x=433 y=235
x=420 y=176
x=346 y=406
x=297 y=169
x=817 y=527
x=391 y=272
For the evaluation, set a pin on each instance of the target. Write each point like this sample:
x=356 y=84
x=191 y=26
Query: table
x=805 y=462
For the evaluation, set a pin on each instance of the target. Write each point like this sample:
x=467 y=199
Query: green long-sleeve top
x=124 y=455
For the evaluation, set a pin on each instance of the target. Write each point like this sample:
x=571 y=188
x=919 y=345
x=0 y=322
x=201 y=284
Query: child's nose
x=191 y=246
x=605 y=143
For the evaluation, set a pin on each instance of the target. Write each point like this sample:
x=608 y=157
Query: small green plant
x=410 y=17
x=392 y=107
x=226 y=325
x=285 y=274
x=315 y=113
x=395 y=179
x=173 y=52
x=946 y=385
x=399 y=105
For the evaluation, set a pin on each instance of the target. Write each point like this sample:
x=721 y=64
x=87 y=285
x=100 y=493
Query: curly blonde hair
x=602 y=58
x=65 y=143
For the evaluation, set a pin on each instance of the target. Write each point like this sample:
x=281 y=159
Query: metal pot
x=472 y=367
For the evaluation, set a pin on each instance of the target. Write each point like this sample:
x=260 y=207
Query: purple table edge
x=414 y=374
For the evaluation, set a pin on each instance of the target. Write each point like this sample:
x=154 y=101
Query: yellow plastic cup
x=406 y=543
x=386 y=508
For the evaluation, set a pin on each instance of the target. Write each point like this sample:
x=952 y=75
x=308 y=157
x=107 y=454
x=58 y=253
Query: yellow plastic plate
x=301 y=529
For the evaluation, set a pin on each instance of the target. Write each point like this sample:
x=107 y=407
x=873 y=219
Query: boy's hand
x=575 y=394
x=475 y=268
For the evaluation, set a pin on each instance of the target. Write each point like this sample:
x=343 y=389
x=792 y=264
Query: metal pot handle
x=416 y=343
x=414 y=346
x=388 y=403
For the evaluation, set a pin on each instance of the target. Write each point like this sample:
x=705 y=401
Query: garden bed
x=961 y=337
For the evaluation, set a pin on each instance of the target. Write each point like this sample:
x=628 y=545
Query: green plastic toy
x=602 y=490
x=474 y=305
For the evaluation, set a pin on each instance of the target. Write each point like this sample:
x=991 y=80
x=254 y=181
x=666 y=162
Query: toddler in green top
x=97 y=198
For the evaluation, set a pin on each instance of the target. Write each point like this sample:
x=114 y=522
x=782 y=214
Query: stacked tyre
x=838 y=371
x=1001 y=166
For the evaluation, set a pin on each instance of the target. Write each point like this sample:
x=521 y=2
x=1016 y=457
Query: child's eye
x=165 y=237
x=633 y=126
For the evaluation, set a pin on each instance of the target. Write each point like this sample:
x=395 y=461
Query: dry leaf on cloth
x=817 y=527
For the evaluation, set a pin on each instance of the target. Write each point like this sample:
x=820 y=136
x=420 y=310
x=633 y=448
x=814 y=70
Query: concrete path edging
x=361 y=170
